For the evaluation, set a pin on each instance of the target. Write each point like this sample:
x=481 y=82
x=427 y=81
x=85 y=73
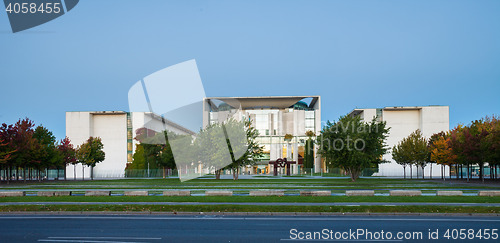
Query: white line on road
x=88 y=241
x=342 y=240
x=105 y=237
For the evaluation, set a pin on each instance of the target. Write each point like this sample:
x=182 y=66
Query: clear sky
x=364 y=54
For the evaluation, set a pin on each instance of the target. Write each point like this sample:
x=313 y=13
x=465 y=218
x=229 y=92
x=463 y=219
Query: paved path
x=264 y=203
x=154 y=228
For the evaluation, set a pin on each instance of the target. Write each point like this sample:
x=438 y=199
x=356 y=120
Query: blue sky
x=364 y=54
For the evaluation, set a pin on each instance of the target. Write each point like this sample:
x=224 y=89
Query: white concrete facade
x=402 y=121
x=117 y=130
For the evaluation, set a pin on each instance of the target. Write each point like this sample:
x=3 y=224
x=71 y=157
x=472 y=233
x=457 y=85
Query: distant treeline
x=28 y=151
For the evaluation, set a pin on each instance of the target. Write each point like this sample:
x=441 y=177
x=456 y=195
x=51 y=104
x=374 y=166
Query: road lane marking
x=88 y=241
x=105 y=237
x=342 y=240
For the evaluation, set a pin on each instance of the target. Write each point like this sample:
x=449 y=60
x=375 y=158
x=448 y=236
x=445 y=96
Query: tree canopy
x=353 y=145
x=90 y=153
x=412 y=150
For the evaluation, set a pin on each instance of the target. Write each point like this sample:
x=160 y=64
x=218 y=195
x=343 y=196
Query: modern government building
x=273 y=116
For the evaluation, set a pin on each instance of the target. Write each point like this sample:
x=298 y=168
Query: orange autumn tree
x=441 y=152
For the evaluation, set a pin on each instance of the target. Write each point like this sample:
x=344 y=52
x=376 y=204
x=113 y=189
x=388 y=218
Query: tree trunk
x=430 y=175
x=411 y=172
x=24 y=174
x=481 y=173
x=468 y=172
x=217 y=174
x=354 y=175
x=91 y=173
x=423 y=172
x=404 y=172
x=83 y=173
x=74 y=172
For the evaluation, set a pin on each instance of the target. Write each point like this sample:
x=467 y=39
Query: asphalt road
x=179 y=228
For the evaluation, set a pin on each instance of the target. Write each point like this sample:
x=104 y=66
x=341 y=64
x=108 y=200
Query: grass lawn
x=278 y=183
x=289 y=184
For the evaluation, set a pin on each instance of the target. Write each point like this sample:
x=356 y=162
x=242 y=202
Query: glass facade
x=273 y=120
x=130 y=138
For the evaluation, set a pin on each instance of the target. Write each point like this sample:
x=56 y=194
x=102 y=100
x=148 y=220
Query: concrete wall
x=111 y=127
x=79 y=127
x=403 y=121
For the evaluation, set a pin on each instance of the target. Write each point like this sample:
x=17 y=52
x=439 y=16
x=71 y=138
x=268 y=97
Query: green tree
x=420 y=152
x=400 y=154
x=239 y=137
x=249 y=148
x=309 y=150
x=90 y=153
x=46 y=154
x=154 y=150
x=210 y=148
x=138 y=159
x=412 y=150
x=353 y=145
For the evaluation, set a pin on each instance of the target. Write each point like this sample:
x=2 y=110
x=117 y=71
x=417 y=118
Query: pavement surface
x=264 y=203
x=210 y=228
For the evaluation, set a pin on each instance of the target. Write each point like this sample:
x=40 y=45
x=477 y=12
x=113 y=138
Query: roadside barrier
x=360 y=193
x=176 y=193
x=98 y=193
x=489 y=193
x=449 y=193
x=136 y=193
x=218 y=193
x=316 y=193
x=267 y=193
x=13 y=194
x=406 y=193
